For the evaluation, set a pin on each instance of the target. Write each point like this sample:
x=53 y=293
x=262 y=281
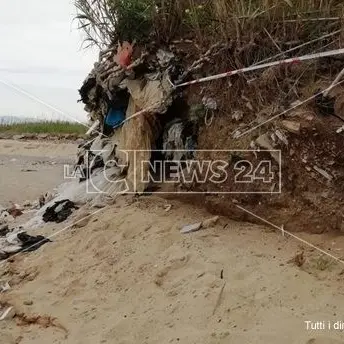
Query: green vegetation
x=46 y=127
x=258 y=27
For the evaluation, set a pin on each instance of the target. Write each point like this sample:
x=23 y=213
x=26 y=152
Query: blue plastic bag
x=115 y=117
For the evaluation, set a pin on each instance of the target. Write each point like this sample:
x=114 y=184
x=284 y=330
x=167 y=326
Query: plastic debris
x=209 y=103
x=4 y=286
x=59 y=212
x=191 y=228
x=21 y=241
x=94 y=126
x=7 y=313
x=115 y=117
x=124 y=53
x=179 y=140
x=5 y=217
x=323 y=173
x=281 y=137
x=4 y=229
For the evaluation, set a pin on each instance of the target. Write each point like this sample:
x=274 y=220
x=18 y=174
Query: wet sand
x=29 y=169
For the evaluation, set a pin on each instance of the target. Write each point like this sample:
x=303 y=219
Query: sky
x=41 y=54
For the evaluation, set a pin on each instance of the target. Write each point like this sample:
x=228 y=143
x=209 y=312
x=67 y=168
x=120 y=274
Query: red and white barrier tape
x=294 y=60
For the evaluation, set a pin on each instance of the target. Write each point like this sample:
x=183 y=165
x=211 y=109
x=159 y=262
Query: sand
x=29 y=169
x=129 y=276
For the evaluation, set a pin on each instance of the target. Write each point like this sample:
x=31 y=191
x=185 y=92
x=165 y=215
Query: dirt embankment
x=312 y=160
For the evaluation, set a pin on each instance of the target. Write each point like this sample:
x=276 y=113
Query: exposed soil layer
x=312 y=159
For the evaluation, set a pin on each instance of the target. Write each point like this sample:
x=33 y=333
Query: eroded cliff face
x=275 y=132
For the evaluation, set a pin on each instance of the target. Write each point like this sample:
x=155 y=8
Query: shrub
x=265 y=25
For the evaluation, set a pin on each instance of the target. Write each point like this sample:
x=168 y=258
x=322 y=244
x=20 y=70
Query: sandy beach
x=29 y=169
x=129 y=276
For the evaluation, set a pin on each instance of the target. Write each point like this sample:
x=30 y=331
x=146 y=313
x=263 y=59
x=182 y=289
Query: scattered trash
x=281 y=137
x=191 y=228
x=209 y=103
x=5 y=217
x=339 y=130
x=94 y=126
x=197 y=226
x=7 y=312
x=173 y=140
x=179 y=140
x=323 y=173
x=15 y=242
x=291 y=126
x=31 y=243
x=115 y=117
x=124 y=99
x=210 y=222
x=124 y=53
x=4 y=229
x=15 y=210
x=4 y=286
x=59 y=212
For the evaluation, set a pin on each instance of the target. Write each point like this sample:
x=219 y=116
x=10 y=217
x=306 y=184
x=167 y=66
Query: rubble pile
x=132 y=113
x=13 y=238
x=140 y=112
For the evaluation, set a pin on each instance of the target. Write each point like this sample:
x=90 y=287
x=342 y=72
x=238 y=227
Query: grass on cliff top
x=45 y=127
